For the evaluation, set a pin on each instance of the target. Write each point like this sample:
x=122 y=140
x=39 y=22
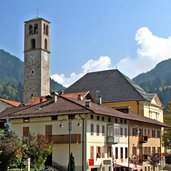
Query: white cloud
x=150 y=51
x=103 y=63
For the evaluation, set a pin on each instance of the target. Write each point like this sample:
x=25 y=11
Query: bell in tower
x=36 y=58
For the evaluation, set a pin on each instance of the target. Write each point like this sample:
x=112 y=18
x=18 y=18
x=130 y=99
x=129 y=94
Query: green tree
x=14 y=152
x=167 y=131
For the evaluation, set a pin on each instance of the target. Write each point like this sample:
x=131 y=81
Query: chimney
x=55 y=96
x=87 y=103
x=100 y=100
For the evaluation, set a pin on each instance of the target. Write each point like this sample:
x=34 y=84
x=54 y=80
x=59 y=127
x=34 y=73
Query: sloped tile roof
x=112 y=85
x=10 y=102
x=66 y=106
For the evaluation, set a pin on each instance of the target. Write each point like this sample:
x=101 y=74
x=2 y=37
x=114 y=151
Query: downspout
x=84 y=145
x=128 y=144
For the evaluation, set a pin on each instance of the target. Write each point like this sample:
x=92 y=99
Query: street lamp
x=70 y=118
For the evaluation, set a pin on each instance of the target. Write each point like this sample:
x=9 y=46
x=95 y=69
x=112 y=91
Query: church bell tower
x=36 y=58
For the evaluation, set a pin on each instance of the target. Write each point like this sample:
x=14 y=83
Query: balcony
x=112 y=140
x=64 y=139
x=113 y=134
x=143 y=139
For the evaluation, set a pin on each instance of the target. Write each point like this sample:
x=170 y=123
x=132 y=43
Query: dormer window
x=36 y=28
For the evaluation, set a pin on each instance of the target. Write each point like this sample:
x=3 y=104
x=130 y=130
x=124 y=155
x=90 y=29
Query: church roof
x=112 y=85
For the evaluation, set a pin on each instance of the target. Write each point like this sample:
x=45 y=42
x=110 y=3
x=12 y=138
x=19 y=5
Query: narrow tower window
x=33 y=43
x=47 y=30
x=44 y=29
x=30 y=29
x=35 y=28
x=46 y=44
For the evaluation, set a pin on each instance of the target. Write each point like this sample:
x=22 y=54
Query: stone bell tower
x=36 y=58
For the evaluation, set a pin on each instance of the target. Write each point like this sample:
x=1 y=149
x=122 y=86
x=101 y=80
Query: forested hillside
x=12 y=76
x=158 y=80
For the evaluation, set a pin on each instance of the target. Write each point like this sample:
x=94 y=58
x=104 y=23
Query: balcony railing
x=64 y=139
x=112 y=140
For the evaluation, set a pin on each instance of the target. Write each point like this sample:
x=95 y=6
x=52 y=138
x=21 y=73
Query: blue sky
x=91 y=35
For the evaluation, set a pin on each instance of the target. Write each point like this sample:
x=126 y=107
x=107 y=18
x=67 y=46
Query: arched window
x=36 y=28
x=33 y=43
x=46 y=44
x=44 y=29
x=30 y=28
x=47 y=30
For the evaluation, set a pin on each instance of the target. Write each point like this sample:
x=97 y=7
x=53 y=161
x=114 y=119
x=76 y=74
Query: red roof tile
x=13 y=103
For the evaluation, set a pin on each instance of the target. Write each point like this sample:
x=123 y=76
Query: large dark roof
x=112 y=85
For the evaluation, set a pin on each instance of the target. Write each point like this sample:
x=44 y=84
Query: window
x=153 y=133
x=153 y=150
x=109 y=119
x=25 y=131
x=92 y=152
x=134 y=150
x=134 y=131
x=126 y=152
x=149 y=150
x=158 y=134
x=35 y=28
x=103 y=130
x=145 y=132
x=110 y=130
x=121 y=132
x=159 y=150
x=98 y=154
x=30 y=29
x=140 y=131
x=121 y=152
x=98 y=117
x=46 y=44
x=126 y=133
x=97 y=129
x=48 y=129
x=121 y=121
x=53 y=118
x=116 y=152
x=116 y=120
x=33 y=43
x=92 y=129
x=102 y=118
x=145 y=150
x=149 y=135
x=91 y=116
x=47 y=30
x=44 y=28
x=109 y=154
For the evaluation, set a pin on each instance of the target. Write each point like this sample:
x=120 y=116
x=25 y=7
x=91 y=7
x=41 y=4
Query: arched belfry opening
x=33 y=43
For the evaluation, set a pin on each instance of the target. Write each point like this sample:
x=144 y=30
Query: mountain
x=12 y=76
x=11 y=68
x=158 y=80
